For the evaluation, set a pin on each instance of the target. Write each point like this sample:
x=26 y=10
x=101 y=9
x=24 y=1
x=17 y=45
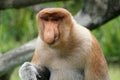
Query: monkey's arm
x=29 y=71
x=96 y=68
x=97 y=71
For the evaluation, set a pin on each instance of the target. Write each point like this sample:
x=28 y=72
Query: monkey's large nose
x=51 y=32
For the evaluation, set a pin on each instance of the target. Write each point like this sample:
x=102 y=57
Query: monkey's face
x=52 y=23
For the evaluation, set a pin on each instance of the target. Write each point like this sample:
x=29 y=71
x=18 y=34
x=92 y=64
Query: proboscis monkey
x=64 y=50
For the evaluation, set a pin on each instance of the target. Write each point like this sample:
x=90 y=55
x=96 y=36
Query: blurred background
x=18 y=26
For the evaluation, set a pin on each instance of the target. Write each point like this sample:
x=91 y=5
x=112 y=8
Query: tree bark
x=5 y=4
x=95 y=13
x=15 y=57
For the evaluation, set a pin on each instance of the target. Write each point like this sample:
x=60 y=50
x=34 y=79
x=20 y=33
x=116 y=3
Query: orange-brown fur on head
x=54 y=11
x=55 y=16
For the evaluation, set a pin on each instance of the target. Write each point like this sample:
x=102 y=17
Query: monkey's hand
x=28 y=72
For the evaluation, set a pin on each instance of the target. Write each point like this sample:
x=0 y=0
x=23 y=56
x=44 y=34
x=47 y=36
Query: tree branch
x=15 y=57
x=5 y=4
x=95 y=13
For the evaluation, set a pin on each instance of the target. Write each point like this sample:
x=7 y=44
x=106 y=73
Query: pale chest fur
x=60 y=67
x=51 y=59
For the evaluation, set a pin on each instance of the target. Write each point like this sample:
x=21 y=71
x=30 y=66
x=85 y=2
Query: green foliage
x=15 y=75
x=114 y=72
x=73 y=6
x=17 y=26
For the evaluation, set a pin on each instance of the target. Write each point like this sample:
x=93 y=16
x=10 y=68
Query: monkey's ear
x=37 y=16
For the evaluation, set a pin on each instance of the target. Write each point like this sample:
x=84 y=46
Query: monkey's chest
x=66 y=74
x=65 y=70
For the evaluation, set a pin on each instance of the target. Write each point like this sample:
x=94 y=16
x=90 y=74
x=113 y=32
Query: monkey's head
x=54 y=25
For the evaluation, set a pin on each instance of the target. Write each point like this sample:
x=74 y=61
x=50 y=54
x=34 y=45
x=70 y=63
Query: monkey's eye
x=55 y=19
x=46 y=19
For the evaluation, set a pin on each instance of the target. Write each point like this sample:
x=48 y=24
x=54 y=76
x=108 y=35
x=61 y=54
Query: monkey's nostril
x=56 y=37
